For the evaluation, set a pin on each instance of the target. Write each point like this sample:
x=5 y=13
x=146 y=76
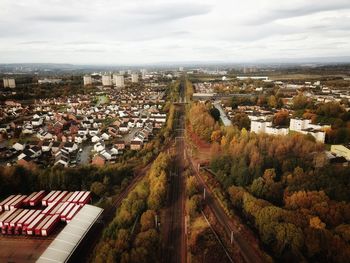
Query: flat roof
x=63 y=246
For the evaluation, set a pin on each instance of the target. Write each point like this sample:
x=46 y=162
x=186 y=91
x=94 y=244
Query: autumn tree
x=241 y=120
x=281 y=118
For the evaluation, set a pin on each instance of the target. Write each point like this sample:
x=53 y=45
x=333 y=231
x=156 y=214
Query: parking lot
x=22 y=249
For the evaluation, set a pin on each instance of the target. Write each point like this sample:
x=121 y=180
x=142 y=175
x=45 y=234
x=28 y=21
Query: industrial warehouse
x=41 y=217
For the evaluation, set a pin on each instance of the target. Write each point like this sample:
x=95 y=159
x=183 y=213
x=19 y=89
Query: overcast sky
x=148 y=31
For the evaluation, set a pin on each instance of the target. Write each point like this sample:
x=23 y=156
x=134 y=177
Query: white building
x=49 y=81
x=259 y=126
x=119 y=81
x=305 y=126
x=134 y=77
x=107 y=80
x=87 y=80
x=143 y=73
x=9 y=83
x=252 y=77
x=264 y=126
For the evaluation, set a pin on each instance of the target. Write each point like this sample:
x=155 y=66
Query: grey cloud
x=58 y=18
x=172 y=11
x=155 y=30
x=307 y=9
x=34 y=42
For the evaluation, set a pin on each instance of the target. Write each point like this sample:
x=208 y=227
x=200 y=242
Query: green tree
x=98 y=188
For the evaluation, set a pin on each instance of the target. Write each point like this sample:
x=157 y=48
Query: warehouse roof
x=63 y=246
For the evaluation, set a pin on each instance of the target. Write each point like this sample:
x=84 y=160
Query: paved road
x=173 y=231
x=85 y=154
x=226 y=121
x=249 y=253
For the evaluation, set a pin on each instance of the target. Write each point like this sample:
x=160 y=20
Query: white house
x=98 y=147
x=93 y=132
x=78 y=139
x=37 y=122
x=105 y=136
x=46 y=146
x=83 y=132
x=18 y=146
x=70 y=146
x=95 y=139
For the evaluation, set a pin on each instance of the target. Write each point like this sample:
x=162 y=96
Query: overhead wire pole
x=217 y=237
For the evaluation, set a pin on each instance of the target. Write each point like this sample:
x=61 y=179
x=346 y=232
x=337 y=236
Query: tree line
x=296 y=201
x=133 y=235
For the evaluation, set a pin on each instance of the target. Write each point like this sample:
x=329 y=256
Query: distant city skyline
x=155 y=31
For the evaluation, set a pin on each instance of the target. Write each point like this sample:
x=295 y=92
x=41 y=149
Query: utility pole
x=156 y=220
x=204 y=193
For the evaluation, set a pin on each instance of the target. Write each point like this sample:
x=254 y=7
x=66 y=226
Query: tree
x=122 y=240
x=148 y=220
x=281 y=118
x=315 y=222
x=98 y=188
x=289 y=236
x=272 y=101
x=191 y=186
x=299 y=102
x=194 y=205
x=215 y=113
x=216 y=136
x=241 y=120
x=344 y=231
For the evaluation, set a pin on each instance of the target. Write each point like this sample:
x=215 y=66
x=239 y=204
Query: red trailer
x=53 y=197
x=5 y=215
x=30 y=220
x=26 y=201
x=71 y=198
x=72 y=213
x=65 y=199
x=7 y=221
x=56 y=208
x=78 y=196
x=62 y=208
x=20 y=223
x=5 y=201
x=60 y=196
x=33 y=224
x=50 y=225
x=48 y=209
x=14 y=199
x=85 y=199
x=66 y=211
x=35 y=200
x=37 y=229
x=18 y=203
x=46 y=198
x=12 y=225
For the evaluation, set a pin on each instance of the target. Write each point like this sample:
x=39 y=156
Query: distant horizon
x=281 y=61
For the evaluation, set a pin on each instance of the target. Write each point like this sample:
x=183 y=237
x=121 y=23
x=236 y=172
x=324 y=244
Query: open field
x=299 y=76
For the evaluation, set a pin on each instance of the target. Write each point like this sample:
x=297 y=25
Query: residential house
x=46 y=146
x=120 y=145
x=136 y=145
